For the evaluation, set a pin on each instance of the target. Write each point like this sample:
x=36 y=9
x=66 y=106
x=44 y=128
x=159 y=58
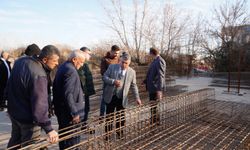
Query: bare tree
x=138 y=27
x=173 y=29
x=129 y=30
x=224 y=32
x=194 y=36
x=166 y=30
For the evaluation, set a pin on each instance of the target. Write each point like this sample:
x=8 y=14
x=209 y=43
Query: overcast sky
x=72 y=22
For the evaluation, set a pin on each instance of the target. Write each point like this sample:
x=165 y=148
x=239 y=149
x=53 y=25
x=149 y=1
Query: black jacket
x=86 y=80
x=155 y=79
x=4 y=73
x=3 y=80
x=67 y=92
x=28 y=93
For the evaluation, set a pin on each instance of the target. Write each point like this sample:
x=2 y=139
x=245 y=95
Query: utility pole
x=239 y=67
x=229 y=71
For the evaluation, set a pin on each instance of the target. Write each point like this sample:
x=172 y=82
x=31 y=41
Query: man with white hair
x=4 y=76
x=68 y=100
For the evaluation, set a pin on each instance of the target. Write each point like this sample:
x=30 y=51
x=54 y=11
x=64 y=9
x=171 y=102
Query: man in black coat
x=86 y=78
x=32 y=50
x=4 y=75
x=155 y=81
x=27 y=95
x=68 y=97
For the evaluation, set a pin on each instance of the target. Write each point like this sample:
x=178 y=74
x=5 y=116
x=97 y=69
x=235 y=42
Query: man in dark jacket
x=4 y=76
x=68 y=97
x=28 y=97
x=155 y=80
x=111 y=57
x=32 y=50
x=86 y=82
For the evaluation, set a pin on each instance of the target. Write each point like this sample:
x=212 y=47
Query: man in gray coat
x=118 y=79
x=155 y=80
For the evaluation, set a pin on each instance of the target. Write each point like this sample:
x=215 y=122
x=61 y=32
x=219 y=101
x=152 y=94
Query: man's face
x=124 y=64
x=114 y=54
x=5 y=55
x=78 y=62
x=51 y=61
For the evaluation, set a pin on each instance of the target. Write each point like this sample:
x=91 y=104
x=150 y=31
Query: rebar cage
x=193 y=120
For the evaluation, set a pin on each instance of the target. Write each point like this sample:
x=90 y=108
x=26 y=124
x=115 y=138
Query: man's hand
x=139 y=102
x=76 y=119
x=117 y=83
x=52 y=136
x=159 y=95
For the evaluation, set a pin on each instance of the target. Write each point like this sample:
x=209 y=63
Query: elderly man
x=4 y=76
x=118 y=79
x=68 y=96
x=28 y=97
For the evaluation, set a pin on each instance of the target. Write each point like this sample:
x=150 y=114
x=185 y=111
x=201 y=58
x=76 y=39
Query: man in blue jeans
x=112 y=57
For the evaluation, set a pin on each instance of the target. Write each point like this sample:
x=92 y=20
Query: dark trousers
x=155 y=118
x=65 y=121
x=23 y=134
x=102 y=104
x=102 y=107
x=119 y=116
x=2 y=100
x=86 y=109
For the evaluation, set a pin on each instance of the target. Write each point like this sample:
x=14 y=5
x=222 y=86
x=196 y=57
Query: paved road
x=204 y=82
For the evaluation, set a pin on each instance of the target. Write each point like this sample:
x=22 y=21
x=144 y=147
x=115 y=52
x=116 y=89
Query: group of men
x=29 y=88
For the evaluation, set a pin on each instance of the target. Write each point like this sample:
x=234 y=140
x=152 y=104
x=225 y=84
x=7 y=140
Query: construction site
x=188 y=117
x=185 y=66
x=193 y=120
